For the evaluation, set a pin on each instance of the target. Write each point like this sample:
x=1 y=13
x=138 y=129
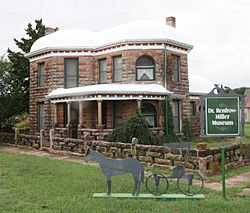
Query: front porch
x=98 y=109
x=99 y=118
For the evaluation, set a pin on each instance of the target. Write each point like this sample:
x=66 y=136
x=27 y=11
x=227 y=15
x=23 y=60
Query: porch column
x=160 y=117
x=139 y=105
x=68 y=114
x=99 y=112
x=80 y=115
x=55 y=114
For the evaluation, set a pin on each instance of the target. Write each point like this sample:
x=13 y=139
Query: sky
x=218 y=29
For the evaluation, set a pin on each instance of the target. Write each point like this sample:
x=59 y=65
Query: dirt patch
x=231 y=182
x=246 y=191
x=48 y=153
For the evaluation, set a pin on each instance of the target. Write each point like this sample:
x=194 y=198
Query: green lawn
x=216 y=142
x=247 y=130
x=36 y=184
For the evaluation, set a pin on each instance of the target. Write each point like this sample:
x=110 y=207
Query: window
x=41 y=69
x=149 y=113
x=193 y=108
x=71 y=72
x=103 y=71
x=117 y=114
x=117 y=69
x=176 y=75
x=40 y=116
x=176 y=115
x=65 y=114
x=145 y=69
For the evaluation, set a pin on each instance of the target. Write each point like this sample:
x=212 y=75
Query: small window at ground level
x=193 y=108
x=149 y=112
x=176 y=116
x=117 y=114
x=145 y=69
x=40 y=116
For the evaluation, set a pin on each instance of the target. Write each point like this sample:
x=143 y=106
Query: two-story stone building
x=83 y=81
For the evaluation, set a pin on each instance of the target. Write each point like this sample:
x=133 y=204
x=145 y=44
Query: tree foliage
x=19 y=72
x=14 y=75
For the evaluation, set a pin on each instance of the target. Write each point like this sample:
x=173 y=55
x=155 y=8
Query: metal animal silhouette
x=112 y=167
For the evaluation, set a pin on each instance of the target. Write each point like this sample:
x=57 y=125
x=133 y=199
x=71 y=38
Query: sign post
x=222 y=115
x=223 y=168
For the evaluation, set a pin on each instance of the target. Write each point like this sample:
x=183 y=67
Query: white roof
x=141 y=89
x=135 y=30
x=199 y=85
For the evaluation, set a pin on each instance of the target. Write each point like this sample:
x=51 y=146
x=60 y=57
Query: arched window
x=149 y=112
x=145 y=68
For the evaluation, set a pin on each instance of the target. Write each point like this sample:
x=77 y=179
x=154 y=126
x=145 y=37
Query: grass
x=35 y=184
x=216 y=142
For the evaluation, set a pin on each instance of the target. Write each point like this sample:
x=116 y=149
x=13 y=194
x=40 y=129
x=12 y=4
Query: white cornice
x=119 y=46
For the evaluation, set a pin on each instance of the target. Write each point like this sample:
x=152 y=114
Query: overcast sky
x=218 y=29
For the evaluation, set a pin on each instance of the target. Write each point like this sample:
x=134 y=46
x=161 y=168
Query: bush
x=187 y=130
x=18 y=121
x=136 y=127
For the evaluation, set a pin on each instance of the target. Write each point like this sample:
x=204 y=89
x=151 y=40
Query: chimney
x=49 y=30
x=170 y=21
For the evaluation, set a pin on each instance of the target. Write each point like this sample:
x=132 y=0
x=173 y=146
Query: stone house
x=91 y=82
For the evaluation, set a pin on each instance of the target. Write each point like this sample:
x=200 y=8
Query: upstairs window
x=177 y=69
x=149 y=113
x=117 y=69
x=102 y=71
x=145 y=69
x=70 y=72
x=41 y=69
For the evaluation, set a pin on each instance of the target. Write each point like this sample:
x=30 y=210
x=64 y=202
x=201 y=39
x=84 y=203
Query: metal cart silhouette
x=189 y=182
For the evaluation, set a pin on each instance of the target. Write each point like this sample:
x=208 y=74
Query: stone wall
x=20 y=139
x=207 y=162
x=29 y=140
x=7 y=138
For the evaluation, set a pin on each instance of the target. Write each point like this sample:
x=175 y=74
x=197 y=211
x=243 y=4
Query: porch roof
x=109 y=92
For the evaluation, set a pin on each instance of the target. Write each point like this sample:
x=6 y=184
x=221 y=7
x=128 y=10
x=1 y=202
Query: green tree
x=19 y=72
x=10 y=103
x=5 y=67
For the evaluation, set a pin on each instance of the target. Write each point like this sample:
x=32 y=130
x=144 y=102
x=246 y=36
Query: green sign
x=222 y=116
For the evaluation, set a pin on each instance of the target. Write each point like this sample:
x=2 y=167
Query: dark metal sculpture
x=188 y=182
x=112 y=167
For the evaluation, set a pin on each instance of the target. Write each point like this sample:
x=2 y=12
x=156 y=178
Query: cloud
x=219 y=30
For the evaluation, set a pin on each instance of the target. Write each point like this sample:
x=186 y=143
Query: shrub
x=187 y=130
x=135 y=127
x=18 y=121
